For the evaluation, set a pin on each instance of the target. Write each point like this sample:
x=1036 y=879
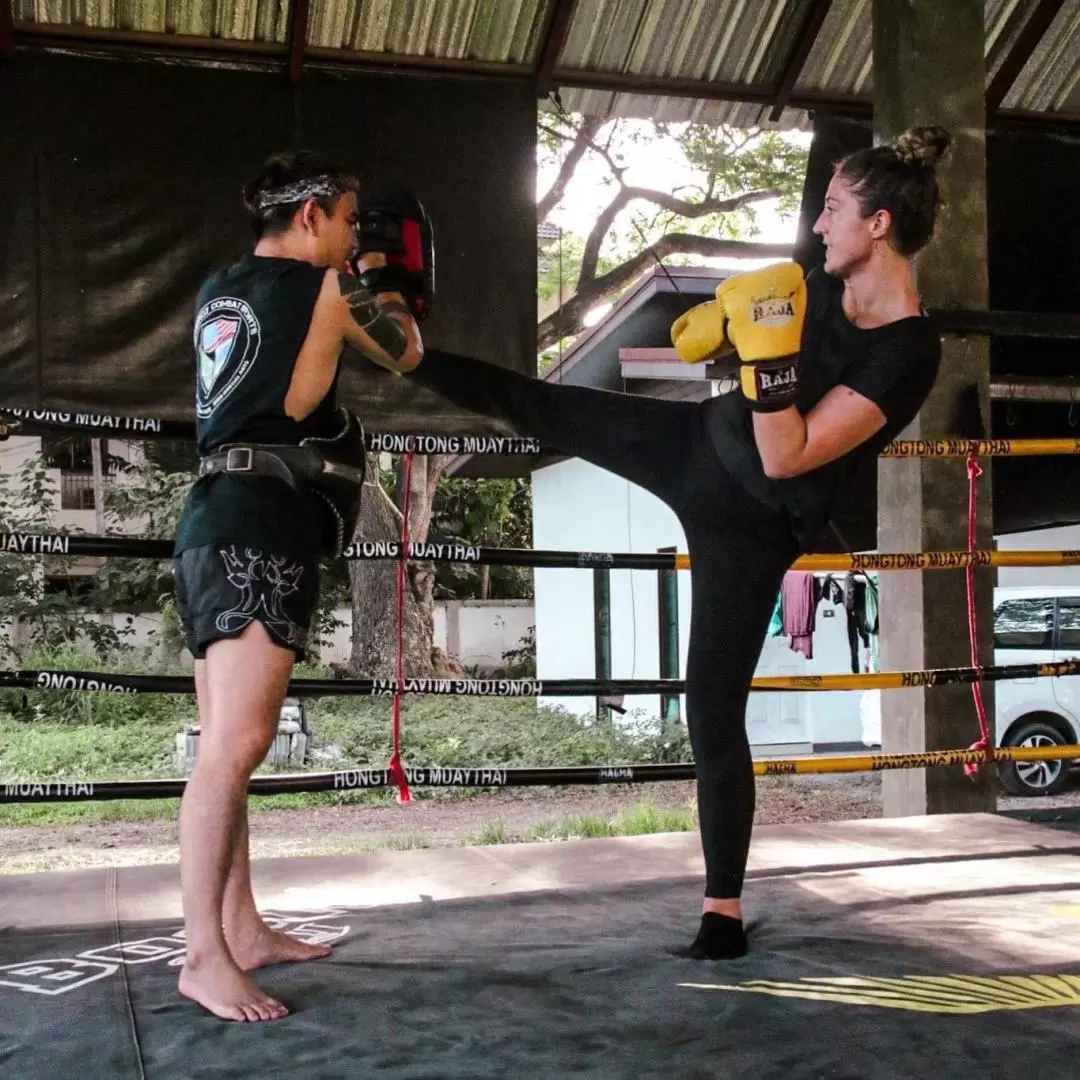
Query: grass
x=639 y=821
x=62 y=736
x=642 y=820
x=492 y=834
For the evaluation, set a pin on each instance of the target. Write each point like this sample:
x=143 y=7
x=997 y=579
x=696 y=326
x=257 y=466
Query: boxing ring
x=919 y=947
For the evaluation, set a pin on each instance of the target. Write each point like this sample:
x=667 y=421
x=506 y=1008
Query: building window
x=72 y=455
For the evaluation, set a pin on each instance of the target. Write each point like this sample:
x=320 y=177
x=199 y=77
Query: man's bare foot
x=218 y=985
x=262 y=947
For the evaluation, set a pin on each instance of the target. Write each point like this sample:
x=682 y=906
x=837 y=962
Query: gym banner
x=114 y=216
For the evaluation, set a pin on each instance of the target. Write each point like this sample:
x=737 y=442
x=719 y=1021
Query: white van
x=1032 y=625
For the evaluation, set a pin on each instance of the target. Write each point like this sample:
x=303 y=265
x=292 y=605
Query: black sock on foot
x=720 y=937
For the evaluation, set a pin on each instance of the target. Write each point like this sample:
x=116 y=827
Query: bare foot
x=263 y=947
x=219 y=985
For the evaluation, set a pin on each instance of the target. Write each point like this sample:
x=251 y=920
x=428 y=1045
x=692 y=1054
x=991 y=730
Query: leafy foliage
x=487 y=513
x=34 y=611
x=728 y=174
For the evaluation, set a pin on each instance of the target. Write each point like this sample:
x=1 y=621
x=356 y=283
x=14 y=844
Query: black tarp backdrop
x=121 y=185
x=1033 y=235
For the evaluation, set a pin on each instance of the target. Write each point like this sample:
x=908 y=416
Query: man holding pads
x=280 y=478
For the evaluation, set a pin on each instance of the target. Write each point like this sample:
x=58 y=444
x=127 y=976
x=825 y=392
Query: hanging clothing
x=872 y=625
x=799 y=597
x=776 y=622
x=854 y=592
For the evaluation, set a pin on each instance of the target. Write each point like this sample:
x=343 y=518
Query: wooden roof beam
x=559 y=15
x=296 y=41
x=796 y=57
x=7 y=30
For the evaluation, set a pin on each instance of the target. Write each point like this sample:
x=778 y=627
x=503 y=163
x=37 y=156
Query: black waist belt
x=284 y=462
x=296 y=465
x=332 y=468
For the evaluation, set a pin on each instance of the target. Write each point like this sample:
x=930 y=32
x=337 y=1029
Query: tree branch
x=706 y=206
x=583 y=140
x=568 y=318
x=591 y=256
x=605 y=153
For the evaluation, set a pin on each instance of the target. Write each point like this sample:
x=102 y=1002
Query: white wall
x=579 y=507
x=475 y=632
x=480 y=632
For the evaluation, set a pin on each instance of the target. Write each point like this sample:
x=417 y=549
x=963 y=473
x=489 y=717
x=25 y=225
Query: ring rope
x=408 y=443
x=98 y=681
x=939 y=448
x=985 y=741
x=36 y=421
x=397 y=771
x=495 y=776
x=33 y=421
x=133 y=547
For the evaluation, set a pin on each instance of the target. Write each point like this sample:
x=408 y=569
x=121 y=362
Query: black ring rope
x=531 y=688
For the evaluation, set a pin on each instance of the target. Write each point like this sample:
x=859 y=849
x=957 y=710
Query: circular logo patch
x=227 y=339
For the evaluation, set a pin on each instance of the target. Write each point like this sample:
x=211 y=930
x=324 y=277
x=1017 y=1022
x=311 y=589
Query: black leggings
x=739 y=551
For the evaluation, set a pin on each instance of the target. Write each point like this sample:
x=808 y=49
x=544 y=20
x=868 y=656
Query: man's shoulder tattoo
x=359 y=297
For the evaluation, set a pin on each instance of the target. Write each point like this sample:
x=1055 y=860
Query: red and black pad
x=393 y=220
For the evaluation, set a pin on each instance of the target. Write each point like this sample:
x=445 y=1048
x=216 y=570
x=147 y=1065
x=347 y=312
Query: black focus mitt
x=393 y=221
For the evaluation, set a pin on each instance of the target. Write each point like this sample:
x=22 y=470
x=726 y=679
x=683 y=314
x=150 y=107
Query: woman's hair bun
x=924 y=146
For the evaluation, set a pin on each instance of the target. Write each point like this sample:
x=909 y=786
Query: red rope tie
x=985 y=741
x=397 y=770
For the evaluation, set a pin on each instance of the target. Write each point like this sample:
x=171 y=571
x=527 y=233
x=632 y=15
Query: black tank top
x=250 y=323
x=251 y=319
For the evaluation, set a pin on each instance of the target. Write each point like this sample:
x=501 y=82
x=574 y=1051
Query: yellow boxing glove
x=765 y=311
x=699 y=334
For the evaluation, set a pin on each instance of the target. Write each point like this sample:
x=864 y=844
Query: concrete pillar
x=929 y=69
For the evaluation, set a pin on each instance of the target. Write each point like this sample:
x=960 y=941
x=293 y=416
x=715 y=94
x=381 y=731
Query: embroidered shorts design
x=222 y=589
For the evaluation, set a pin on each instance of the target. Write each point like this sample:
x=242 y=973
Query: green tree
x=42 y=602
x=487 y=512
x=734 y=171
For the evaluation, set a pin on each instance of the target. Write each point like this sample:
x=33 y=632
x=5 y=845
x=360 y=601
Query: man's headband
x=300 y=191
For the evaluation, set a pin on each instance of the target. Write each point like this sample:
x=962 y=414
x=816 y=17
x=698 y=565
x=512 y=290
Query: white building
x=579 y=507
x=79 y=488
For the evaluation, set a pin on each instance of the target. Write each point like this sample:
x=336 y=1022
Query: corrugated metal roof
x=738 y=42
x=839 y=61
x=1048 y=82
x=493 y=31
x=249 y=20
x=674 y=110
x=726 y=41
x=718 y=40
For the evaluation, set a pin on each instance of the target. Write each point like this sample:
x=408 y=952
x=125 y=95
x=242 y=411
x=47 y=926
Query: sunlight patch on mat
x=950 y=994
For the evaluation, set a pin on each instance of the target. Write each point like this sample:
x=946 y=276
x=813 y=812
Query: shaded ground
x=439 y=822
